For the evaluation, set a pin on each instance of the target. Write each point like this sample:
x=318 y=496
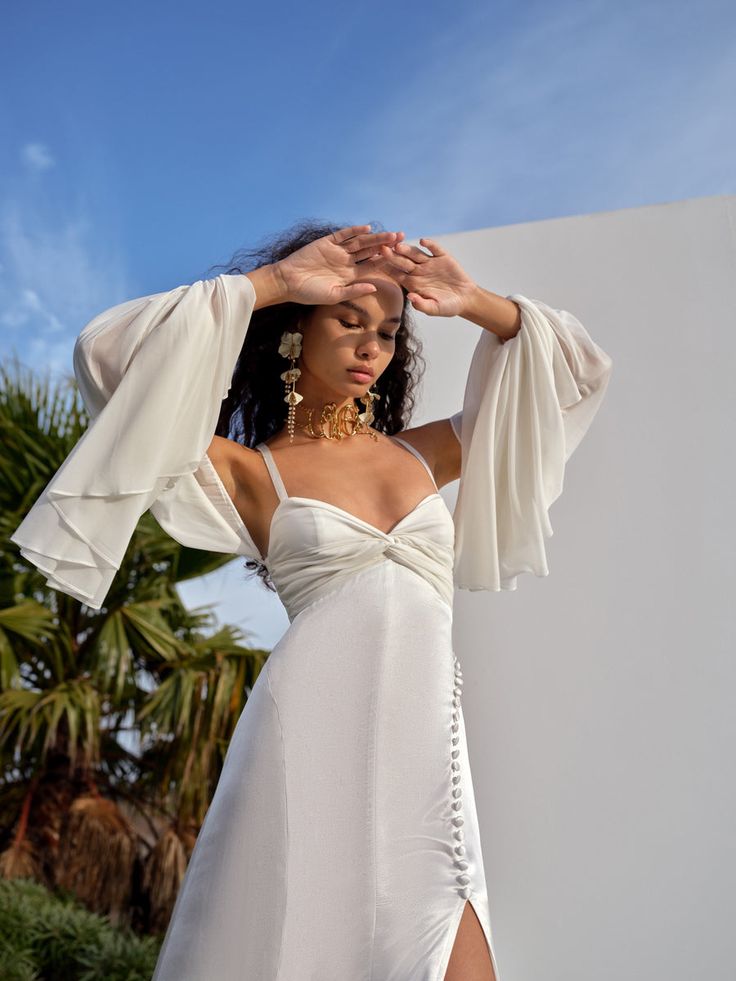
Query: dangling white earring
x=291 y=347
x=368 y=399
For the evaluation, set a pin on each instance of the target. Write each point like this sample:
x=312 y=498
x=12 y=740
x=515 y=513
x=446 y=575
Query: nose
x=369 y=348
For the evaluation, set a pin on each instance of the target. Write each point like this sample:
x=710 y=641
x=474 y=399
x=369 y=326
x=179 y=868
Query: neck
x=317 y=404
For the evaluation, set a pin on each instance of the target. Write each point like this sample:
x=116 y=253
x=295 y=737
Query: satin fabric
x=335 y=544
x=342 y=841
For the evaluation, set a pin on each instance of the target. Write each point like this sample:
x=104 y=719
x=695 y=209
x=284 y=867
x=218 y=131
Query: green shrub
x=44 y=937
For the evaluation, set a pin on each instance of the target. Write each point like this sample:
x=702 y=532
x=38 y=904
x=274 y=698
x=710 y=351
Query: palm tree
x=113 y=723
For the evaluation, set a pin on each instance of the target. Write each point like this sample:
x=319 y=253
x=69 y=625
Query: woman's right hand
x=325 y=271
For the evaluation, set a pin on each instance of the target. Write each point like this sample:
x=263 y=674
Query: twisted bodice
x=314 y=546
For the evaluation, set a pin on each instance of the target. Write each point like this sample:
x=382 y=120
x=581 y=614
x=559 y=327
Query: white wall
x=599 y=700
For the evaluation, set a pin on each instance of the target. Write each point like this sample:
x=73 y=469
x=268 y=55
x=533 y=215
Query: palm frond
x=35 y=722
x=29 y=621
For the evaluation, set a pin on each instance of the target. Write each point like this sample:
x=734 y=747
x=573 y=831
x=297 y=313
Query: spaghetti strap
x=273 y=470
x=418 y=455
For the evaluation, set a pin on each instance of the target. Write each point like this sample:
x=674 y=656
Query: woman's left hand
x=436 y=283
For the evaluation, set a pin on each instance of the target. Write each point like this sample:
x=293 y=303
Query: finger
x=411 y=251
x=372 y=241
x=366 y=252
x=422 y=304
x=354 y=291
x=434 y=247
x=400 y=261
x=342 y=234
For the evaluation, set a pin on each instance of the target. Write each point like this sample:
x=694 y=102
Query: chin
x=355 y=388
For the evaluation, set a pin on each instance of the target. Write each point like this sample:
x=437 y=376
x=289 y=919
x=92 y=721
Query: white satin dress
x=342 y=842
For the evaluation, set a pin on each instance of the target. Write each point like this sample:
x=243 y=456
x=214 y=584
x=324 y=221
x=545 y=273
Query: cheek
x=313 y=346
x=319 y=352
x=386 y=360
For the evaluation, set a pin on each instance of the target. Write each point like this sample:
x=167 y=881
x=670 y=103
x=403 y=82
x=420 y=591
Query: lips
x=361 y=374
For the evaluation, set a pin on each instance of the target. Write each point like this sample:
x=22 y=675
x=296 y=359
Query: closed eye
x=383 y=333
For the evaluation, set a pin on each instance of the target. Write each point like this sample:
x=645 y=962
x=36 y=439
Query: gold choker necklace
x=337 y=423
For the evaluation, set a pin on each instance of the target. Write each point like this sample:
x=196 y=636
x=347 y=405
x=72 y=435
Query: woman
x=342 y=841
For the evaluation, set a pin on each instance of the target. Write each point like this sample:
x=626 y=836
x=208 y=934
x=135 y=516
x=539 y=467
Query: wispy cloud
x=532 y=118
x=57 y=269
x=28 y=307
x=36 y=157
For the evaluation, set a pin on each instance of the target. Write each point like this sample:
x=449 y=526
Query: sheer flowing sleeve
x=528 y=402
x=153 y=373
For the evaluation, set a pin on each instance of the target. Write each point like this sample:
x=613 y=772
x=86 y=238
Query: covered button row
x=462 y=878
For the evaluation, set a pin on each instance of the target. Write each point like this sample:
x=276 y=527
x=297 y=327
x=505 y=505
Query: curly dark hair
x=254 y=409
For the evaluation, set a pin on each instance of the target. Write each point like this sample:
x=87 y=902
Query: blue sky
x=142 y=143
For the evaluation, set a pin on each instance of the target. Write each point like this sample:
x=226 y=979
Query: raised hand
x=326 y=270
x=436 y=283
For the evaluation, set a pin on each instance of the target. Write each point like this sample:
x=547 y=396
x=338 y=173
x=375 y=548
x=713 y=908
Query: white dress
x=342 y=842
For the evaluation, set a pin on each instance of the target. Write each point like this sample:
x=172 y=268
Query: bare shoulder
x=237 y=466
x=439 y=446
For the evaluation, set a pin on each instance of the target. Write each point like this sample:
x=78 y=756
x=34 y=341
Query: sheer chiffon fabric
x=153 y=373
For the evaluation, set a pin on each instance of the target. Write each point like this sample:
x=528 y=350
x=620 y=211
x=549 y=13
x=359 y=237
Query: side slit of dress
x=452 y=932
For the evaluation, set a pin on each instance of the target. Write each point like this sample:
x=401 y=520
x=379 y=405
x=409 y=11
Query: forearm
x=493 y=312
x=269 y=286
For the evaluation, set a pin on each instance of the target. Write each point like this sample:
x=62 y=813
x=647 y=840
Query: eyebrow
x=364 y=313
